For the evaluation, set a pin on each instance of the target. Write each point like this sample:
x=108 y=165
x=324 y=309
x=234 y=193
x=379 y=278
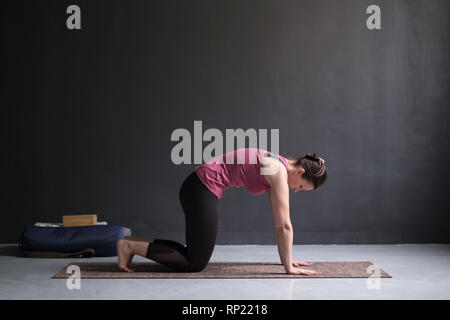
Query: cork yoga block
x=79 y=220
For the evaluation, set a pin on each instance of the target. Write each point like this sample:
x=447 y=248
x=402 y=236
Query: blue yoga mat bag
x=101 y=238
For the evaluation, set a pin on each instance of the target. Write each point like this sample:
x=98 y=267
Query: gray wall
x=87 y=115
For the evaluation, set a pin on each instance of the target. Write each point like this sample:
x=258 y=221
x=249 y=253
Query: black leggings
x=200 y=211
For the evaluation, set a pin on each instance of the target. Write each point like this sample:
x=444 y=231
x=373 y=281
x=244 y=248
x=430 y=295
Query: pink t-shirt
x=239 y=168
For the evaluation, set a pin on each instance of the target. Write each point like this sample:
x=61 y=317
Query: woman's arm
x=279 y=200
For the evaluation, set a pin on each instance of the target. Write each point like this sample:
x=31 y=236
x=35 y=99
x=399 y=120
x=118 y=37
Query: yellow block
x=79 y=220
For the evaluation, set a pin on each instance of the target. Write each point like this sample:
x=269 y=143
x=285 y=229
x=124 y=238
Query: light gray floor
x=419 y=271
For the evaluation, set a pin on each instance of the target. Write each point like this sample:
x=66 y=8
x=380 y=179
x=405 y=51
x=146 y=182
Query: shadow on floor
x=11 y=251
x=16 y=251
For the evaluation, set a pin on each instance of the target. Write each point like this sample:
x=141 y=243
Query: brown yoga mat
x=224 y=270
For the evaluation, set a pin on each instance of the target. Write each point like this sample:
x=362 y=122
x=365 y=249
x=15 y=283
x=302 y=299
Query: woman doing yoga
x=257 y=170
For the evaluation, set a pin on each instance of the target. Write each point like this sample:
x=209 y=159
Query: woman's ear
x=301 y=170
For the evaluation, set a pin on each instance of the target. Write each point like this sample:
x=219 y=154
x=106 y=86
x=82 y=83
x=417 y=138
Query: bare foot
x=125 y=255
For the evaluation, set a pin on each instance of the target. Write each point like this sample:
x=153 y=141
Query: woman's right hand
x=300 y=271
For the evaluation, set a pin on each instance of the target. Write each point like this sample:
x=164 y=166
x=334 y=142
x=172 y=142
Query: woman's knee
x=197 y=266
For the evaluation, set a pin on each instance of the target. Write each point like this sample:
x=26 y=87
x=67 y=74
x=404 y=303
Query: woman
x=257 y=170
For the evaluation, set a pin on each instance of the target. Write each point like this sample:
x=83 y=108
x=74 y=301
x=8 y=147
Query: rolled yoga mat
x=224 y=270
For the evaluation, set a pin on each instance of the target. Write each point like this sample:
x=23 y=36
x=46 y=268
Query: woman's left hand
x=300 y=264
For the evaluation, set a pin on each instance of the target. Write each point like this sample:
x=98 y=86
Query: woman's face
x=296 y=182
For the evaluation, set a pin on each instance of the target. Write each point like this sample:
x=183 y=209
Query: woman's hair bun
x=312 y=156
